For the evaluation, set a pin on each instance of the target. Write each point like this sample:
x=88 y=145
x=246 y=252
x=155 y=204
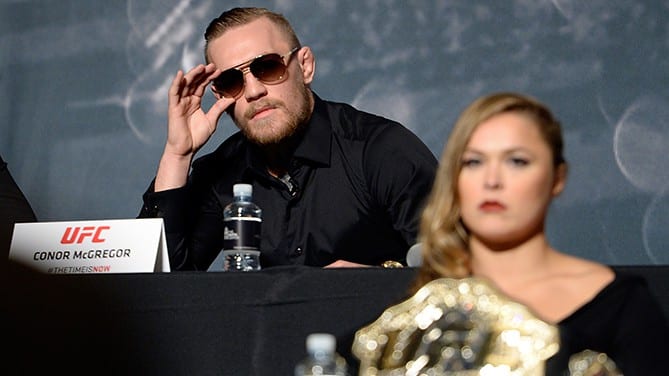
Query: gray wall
x=83 y=94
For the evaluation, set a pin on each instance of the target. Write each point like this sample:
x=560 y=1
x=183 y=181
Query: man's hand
x=188 y=126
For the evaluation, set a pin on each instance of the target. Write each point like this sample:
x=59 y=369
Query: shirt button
x=298 y=251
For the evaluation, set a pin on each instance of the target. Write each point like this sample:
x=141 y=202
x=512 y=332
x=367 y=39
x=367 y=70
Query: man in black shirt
x=338 y=187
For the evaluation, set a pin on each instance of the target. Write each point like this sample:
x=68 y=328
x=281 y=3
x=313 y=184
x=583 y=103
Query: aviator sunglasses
x=268 y=69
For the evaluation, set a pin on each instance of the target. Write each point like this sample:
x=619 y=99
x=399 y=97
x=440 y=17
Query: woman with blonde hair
x=501 y=168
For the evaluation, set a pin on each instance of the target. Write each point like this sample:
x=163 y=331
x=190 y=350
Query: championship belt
x=592 y=363
x=456 y=327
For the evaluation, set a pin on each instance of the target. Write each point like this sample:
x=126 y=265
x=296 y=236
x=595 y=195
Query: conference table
x=198 y=323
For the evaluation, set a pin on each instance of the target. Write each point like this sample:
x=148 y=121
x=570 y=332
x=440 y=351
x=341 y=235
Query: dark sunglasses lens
x=268 y=68
x=229 y=83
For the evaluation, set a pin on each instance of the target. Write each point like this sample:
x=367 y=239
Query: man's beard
x=274 y=131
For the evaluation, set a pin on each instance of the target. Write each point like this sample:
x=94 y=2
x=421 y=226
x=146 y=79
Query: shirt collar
x=317 y=142
x=315 y=145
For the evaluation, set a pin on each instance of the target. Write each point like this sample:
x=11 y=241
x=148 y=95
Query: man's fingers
x=191 y=80
x=210 y=73
x=218 y=108
x=176 y=87
x=194 y=82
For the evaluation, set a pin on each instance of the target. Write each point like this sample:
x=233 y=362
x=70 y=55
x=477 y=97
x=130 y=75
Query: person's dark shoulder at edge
x=384 y=139
x=354 y=123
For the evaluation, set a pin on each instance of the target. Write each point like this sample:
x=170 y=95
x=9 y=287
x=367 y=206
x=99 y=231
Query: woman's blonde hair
x=443 y=236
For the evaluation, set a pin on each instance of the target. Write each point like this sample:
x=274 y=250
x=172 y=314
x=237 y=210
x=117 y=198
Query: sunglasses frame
x=245 y=67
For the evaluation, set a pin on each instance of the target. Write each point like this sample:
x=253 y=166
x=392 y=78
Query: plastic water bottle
x=241 y=239
x=322 y=358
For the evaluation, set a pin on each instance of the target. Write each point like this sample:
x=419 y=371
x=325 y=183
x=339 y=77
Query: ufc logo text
x=79 y=234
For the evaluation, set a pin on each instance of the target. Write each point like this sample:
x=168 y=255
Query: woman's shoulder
x=610 y=288
x=585 y=275
x=571 y=283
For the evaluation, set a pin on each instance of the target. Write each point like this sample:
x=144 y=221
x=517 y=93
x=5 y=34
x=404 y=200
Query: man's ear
x=560 y=179
x=307 y=62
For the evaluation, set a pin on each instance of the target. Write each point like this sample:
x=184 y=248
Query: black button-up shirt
x=354 y=191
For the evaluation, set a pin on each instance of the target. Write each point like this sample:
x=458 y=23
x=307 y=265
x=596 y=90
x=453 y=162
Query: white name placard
x=100 y=246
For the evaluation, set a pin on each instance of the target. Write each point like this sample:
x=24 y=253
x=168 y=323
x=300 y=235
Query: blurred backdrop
x=83 y=94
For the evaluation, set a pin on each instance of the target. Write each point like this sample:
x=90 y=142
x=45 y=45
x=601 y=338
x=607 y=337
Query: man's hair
x=241 y=16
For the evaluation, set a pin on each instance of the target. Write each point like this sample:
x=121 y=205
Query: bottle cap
x=242 y=190
x=321 y=342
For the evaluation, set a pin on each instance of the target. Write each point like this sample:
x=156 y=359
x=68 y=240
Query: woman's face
x=507 y=181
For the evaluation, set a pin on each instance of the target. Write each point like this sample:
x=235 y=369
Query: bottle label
x=241 y=233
